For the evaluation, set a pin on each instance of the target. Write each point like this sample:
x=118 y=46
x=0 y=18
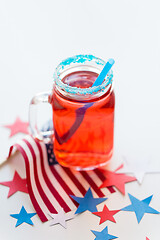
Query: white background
x=34 y=37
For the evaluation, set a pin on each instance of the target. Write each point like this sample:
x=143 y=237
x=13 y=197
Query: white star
x=139 y=167
x=61 y=217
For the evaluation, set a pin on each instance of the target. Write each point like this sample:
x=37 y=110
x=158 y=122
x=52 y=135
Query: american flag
x=50 y=184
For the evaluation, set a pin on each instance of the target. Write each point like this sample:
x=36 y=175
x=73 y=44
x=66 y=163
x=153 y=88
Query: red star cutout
x=116 y=179
x=17 y=184
x=18 y=126
x=106 y=214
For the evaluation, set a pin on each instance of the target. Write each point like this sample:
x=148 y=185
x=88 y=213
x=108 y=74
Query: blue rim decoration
x=81 y=59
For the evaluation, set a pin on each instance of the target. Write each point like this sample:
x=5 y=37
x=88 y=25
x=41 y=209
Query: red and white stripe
x=50 y=186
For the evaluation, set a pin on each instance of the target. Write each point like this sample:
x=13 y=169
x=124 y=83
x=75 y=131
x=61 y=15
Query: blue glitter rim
x=81 y=59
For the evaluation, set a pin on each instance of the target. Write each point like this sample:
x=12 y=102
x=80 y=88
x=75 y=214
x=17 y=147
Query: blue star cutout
x=87 y=202
x=23 y=216
x=103 y=235
x=140 y=207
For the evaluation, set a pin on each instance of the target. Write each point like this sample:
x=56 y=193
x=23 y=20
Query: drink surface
x=83 y=132
x=82 y=79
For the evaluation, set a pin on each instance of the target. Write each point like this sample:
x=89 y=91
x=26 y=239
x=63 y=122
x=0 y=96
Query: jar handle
x=43 y=97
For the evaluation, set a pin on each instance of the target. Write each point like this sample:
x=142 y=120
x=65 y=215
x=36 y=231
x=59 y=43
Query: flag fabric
x=50 y=184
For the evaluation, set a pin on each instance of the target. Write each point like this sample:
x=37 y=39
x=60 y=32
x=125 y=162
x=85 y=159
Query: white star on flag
x=61 y=217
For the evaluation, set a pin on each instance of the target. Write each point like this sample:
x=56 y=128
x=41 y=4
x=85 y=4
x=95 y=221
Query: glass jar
x=83 y=116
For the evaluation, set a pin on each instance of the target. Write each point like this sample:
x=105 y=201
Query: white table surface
x=34 y=37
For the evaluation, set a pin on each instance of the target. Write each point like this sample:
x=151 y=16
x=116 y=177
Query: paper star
x=17 y=184
x=61 y=217
x=139 y=167
x=106 y=214
x=23 y=216
x=116 y=179
x=18 y=126
x=88 y=202
x=140 y=207
x=103 y=235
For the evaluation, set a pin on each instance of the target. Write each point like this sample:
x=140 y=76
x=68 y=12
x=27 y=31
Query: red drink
x=83 y=128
